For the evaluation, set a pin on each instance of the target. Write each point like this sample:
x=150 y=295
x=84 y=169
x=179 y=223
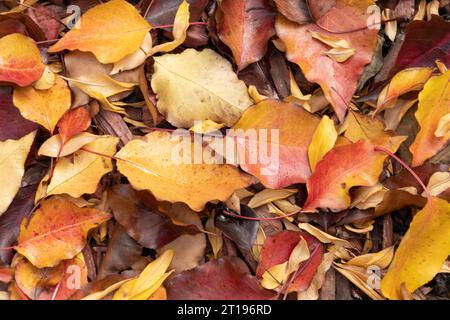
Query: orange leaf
x=245 y=27
x=338 y=80
x=20 y=61
x=434 y=103
x=57 y=231
x=110 y=31
x=73 y=122
x=345 y=166
x=295 y=128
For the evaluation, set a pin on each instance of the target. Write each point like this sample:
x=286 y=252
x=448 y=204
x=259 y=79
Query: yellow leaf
x=180 y=26
x=438 y=183
x=52 y=145
x=90 y=78
x=81 y=174
x=215 y=239
x=269 y=195
x=443 y=127
x=422 y=251
x=323 y=236
x=101 y=294
x=136 y=58
x=299 y=254
x=274 y=276
x=359 y=277
x=206 y=126
x=13 y=154
x=150 y=279
x=382 y=259
x=111 y=31
x=407 y=80
x=45 y=107
x=46 y=81
x=434 y=103
x=322 y=141
x=167 y=167
x=198 y=85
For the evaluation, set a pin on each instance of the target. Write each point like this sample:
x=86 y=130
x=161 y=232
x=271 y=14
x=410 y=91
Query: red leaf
x=223 y=279
x=425 y=42
x=277 y=249
x=246 y=26
x=73 y=122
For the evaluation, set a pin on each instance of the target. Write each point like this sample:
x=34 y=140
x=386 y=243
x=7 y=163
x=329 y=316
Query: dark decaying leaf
x=425 y=42
x=294 y=10
x=162 y=12
x=122 y=252
x=242 y=232
x=277 y=249
x=222 y=279
x=148 y=228
x=10 y=221
x=12 y=124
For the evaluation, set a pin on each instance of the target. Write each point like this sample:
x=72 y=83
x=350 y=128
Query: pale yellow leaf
x=52 y=145
x=13 y=154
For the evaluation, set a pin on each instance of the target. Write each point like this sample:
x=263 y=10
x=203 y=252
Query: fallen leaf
x=422 y=251
x=269 y=195
x=81 y=174
x=425 y=42
x=381 y=259
x=180 y=26
x=168 y=178
x=322 y=141
x=198 y=85
x=246 y=27
x=283 y=128
x=438 y=183
x=407 y=80
x=434 y=103
x=40 y=237
x=20 y=61
x=329 y=185
x=149 y=229
x=45 y=107
x=226 y=278
x=122 y=31
x=12 y=124
x=338 y=80
x=73 y=122
x=54 y=146
x=242 y=232
x=150 y=279
x=278 y=248
x=294 y=10
x=13 y=154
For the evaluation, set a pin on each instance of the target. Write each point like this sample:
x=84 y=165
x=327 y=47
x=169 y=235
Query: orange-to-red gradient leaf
x=294 y=127
x=346 y=166
x=57 y=231
x=73 y=122
x=337 y=79
x=20 y=61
